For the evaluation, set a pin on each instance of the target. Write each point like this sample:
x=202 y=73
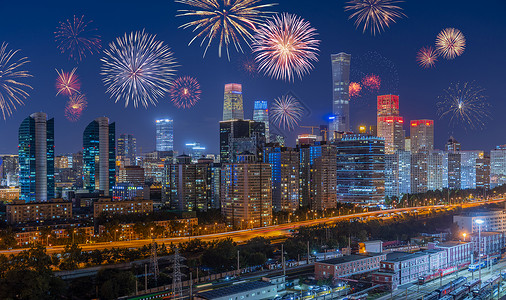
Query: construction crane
x=317 y=128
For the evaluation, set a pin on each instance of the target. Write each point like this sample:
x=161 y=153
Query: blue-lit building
x=398 y=173
x=99 y=156
x=195 y=150
x=360 y=169
x=261 y=114
x=237 y=136
x=36 y=158
x=340 y=92
x=127 y=191
x=284 y=162
x=164 y=135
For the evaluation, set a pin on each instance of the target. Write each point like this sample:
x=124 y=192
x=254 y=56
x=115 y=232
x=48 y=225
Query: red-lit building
x=390 y=124
x=422 y=135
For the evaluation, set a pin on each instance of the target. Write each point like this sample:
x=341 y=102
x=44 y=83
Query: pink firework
x=372 y=82
x=286 y=47
x=354 y=89
x=67 y=83
x=75 y=106
x=426 y=57
x=185 y=92
x=76 y=38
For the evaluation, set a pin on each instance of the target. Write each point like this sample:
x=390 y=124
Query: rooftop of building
x=407 y=256
x=481 y=213
x=449 y=244
x=486 y=233
x=234 y=289
x=348 y=258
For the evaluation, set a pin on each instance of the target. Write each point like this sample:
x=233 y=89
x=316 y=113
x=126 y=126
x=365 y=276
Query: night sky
x=30 y=26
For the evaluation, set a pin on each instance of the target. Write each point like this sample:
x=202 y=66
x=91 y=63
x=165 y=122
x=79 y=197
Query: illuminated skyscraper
x=261 y=114
x=237 y=136
x=284 y=162
x=127 y=148
x=36 y=158
x=164 y=135
x=340 y=92
x=422 y=135
x=232 y=104
x=99 y=156
x=390 y=123
x=453 y=145
x=497 y=166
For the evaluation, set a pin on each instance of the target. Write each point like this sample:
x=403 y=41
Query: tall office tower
x=153 y=164
x=483 y=172
x=497 y=166
x=36 y=158
x=452 y=145
x=435 y=171
x=246 y=193
x=340 y=93
x=468 y=168
x=99 y=156
x=215 y=185
x=232 y=104
x=237 y=136
x=77 y=168
x=164 y=135
x=422 y=135
x=186 y=185
x=261 y=114
x=131 y=174
x=195 y=150
x=398 y=173
x=127 y=148
x=9 y=170
x=360 y=169
x=390 y=123
x=284 y=162
x=452 y=170
x=419 y=171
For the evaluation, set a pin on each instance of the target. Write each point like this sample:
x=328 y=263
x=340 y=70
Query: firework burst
x=375 y=15
x=67 y=83
x=185 y=92
x=12 y=90
x=450 y=43
x=76 y=38
x=354 y=89
x=137 y=68
x=372 y=82
x=285 y=47
x=75 y=106
x=248 y=65
x=465 y=104
x=286 y=112
x=227 y=21
x=426 y=57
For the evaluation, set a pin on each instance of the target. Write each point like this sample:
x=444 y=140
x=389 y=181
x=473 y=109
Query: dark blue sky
x=30 y=26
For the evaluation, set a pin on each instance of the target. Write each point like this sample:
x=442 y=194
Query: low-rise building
x=458 y=253
x=24 y=212
x=246 y=290
x=493 y=220
x=348 y=265
x=9 y=194
x=491 y=243
x=135 y=206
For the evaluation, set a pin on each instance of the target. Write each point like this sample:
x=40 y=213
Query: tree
x=221 y=255
x=71 y=257
x=115 y=283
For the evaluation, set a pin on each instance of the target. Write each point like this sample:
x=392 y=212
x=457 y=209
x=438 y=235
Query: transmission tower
x=177 y=285
x=153 y=262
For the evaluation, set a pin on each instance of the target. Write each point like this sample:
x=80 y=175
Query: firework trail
x=286 y=112
x=67 y=83
x=76 y=38
x=465 y=104
x=75 y=106
x=426 y=57
x=13 y=91
x=229 y=22
x=450 y=43
x=375 y=15
x=285 y=47
x=137 y=68
x=185 y=92
x=372 y=82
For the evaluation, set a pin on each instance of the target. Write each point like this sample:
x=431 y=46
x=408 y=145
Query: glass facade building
x=390 y=124
x=164 y=135
x=127 y=148
x=284 y=162
x=340 y=92
x=36 y=158
x=261 y=114
x=422 y=135
x=232 y=103
x=238 y=136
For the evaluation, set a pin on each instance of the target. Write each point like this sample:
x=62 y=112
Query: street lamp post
x=464 y=234
x=479 y=222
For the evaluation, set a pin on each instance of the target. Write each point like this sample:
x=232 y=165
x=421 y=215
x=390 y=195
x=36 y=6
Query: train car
x=445 y=289
x=447 y=297
x=361 y=296
x=459 y=282
x=460 y=293
x=476 y=267
x=431 y=296
x=154 y=296
x=471 y=285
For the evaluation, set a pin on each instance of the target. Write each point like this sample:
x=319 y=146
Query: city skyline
x=418 y=88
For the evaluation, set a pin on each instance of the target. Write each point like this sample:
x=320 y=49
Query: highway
x=240 y=236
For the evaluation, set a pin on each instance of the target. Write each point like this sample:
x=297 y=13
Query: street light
x=464 y=234
x=479 y=222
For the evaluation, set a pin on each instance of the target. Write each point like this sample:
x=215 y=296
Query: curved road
x=244 y=235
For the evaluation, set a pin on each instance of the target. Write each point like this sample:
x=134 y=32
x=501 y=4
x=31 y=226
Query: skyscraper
x=261 y=114
x=36 y=158
x=498 y=166
x=422 y=135
x=237 y=136
x=390 y=123
x=164 y=135
x=340 y=92
x=232 y=104
x=398 y=173
x=99 y=156
x=284 y=162
x=127 y=148
x=453 y=145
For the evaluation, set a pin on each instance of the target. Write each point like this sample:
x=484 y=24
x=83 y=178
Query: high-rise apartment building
x=164 y=135
x=360 y=168
x=422 y=135
x=390 y=124
x=99 y=156
x=483 y=172
x=398 y=173
x=469 y=162
x=285 y=177
x=232 y=104
x=498 y=166
x=435 y=171
x=9 y=170
x=246 y=193
x=238 y=136
x=131 y=174
x=452 y=145
x=340 y=93
x=127 y=148
x=261 y=114
x=36 y=158
x=452 y=168
x=419 y=171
